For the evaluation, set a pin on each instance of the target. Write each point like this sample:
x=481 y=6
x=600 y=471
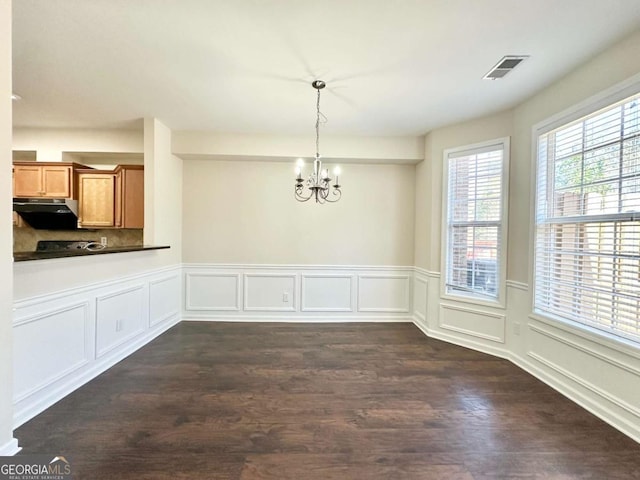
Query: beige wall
x=603 y=71
x=429 y=179
x=51 y=144
x=6 y=241
x=223 y=146
x=245 y=212
x=163 y=191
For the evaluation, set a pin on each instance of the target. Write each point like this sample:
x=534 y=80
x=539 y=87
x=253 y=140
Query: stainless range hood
x=48 y=213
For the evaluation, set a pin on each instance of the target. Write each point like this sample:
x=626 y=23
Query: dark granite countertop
x=26 y=256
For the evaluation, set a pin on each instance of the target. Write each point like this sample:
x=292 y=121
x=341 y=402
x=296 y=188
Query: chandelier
x=318 y=185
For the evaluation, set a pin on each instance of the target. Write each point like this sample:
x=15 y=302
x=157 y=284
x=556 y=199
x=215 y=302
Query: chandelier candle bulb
x=336 y=172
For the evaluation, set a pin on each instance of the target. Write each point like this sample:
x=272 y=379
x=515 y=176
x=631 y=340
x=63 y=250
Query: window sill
x=473 y=300
x=591 y=334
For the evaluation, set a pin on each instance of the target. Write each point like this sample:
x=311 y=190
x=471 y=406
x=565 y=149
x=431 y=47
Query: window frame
x=594 y=103
x=503 y=143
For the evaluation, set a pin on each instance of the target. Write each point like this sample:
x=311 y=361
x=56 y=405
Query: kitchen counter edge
x=28 y=256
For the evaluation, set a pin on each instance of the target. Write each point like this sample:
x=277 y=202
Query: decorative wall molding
x=465 y=317
x=586 y=384
x=299 y=318
x=585 y=397
x=221 y=299
x=517 y=285
x=314 y=293
x=120 y=316
x=78 y=337
x=426 y=273
x=467 y=342
x=270 y=293
x=372 y=298
x=420 y=297
x=88 y=288
x=161 y=292
x=577 y=346
x=591 y=335
x=323 y=291
x=56 y=329
x=294 y=267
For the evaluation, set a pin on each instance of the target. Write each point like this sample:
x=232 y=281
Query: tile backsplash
x=25 y=238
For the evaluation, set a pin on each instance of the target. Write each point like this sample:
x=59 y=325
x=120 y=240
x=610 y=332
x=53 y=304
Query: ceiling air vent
x=504 y=66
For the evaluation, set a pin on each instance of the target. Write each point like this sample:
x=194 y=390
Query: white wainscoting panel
x=163 y=301
x=302 y=293
x=270 y=292
x=65 y=338
x=49 y=346
x=384 y=293
x=473 y=322
x=420 y=297
x=120 y=316
x=327 y=293
x=584 y=366
x=212 y=291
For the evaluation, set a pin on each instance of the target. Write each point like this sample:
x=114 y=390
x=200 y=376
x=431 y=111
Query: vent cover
x=504 y=66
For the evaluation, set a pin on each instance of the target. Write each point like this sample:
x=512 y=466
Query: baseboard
x=10 y=448
x=37 y=403
x=461 y=342
x=298 y=319
x=597 y=408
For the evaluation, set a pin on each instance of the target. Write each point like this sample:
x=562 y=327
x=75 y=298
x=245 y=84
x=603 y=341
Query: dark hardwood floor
x=322 y=401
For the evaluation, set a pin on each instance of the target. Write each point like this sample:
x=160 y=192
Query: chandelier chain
x=318 y=125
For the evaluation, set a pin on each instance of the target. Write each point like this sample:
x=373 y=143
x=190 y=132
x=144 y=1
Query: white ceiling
x=393 y=67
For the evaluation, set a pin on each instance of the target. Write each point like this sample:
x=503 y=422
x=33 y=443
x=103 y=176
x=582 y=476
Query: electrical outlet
x=516 y=328
x=285 y=297
x=118 y=325
x=103 y=241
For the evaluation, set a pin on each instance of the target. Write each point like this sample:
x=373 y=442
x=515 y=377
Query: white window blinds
x=587 y=240
x=474 y=215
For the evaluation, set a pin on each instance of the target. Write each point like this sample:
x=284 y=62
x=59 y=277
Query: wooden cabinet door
x=42 y=181
x=56 y=181
x=132 y=209
x=96 y=195
x=27 y=181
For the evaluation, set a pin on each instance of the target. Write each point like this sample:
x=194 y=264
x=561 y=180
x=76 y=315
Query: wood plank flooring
x=323 y=401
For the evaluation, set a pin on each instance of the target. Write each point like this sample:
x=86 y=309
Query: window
x=474 y=200
x=587 y=232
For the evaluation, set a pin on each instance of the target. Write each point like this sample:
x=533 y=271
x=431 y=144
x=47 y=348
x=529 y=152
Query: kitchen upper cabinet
x=111 y=198
x=46 y=179
x=96 y=199
x=129 y=208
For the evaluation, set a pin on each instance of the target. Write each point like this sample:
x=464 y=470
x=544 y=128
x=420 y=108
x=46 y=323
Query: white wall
x=8 y=445
x=163 y=191
x=51 y=144
x=194 y=144
x=245 y=213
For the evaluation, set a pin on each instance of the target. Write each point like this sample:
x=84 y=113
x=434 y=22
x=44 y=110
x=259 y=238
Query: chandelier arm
x=299 y=196
x=338 y=193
